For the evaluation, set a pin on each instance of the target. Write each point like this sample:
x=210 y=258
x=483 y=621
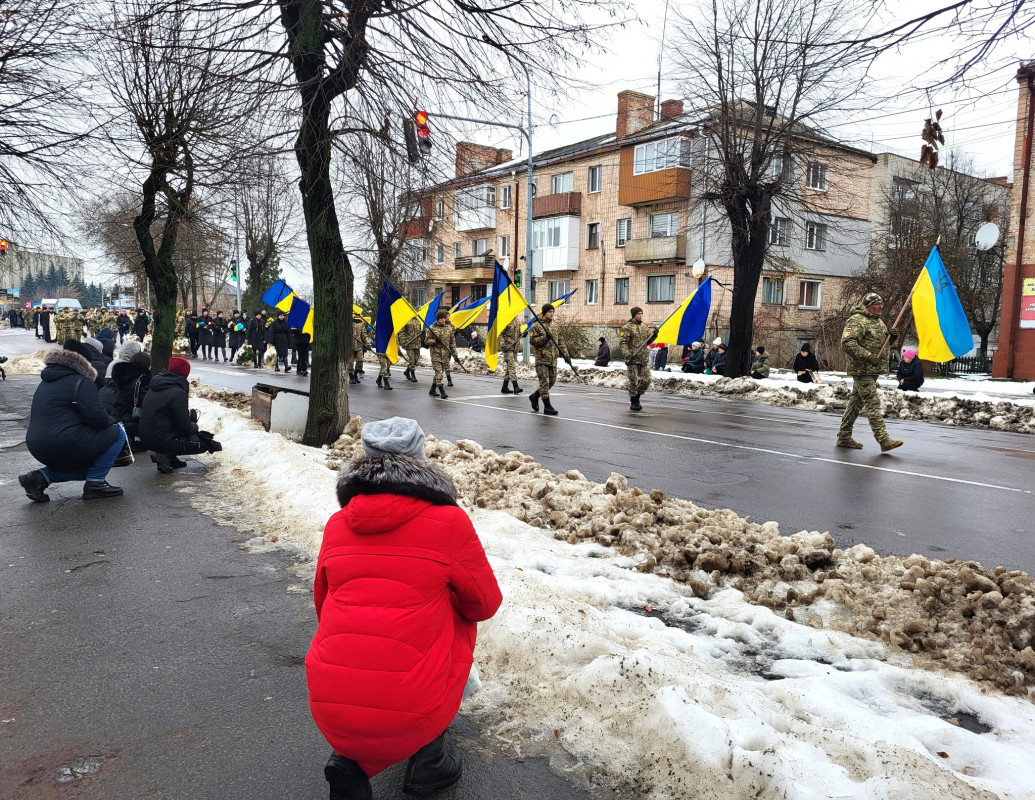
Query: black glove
x=194 y=415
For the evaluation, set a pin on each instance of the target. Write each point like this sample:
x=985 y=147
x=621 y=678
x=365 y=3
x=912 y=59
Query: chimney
x=670 y=109
x=635 y=113
x=472 y=158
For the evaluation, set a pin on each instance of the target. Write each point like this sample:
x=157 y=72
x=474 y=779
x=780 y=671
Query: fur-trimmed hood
x=398 y=475
x=58 y=361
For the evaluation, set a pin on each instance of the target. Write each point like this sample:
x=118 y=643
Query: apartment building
x=619 y=217
x=17 y=264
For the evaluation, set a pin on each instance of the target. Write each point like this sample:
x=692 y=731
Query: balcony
x=475 y=218
x=418 y=228
x=659 y=250
x=467 y=269
x=554 y=205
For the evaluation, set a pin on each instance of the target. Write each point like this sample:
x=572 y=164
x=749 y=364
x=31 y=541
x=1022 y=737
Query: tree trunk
x=748 y=260
x=332 y=276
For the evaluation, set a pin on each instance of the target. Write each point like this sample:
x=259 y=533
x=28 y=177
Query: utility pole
x=237 y=254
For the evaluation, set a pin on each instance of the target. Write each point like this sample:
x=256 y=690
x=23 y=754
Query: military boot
x=386 y=385
x=547 y=408
x=849 y=443
x=353 y=378
x=449 y=380
x=534 y=400
x=442 y=392
x=890 y=444
x=434 y=390
x=413 y=375
x=347 y=781
x=634 y=403
x=517 y=389
x=435 y=766
x=506 y=388
x=378 y=381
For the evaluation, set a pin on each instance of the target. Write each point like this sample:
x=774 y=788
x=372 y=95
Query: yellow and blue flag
x=392 y=313
x=429 y=309
x=555 y=303
x=455 y=306
x=301 y=316
x=686 y=324
x=277 y=294
x=505 y=305
x=941 y=323
x=463 y=317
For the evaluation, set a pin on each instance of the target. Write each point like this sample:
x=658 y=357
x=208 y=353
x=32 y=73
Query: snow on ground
x=667 y=681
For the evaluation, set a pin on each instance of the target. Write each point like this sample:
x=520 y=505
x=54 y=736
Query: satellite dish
x=698 y=268
x=987 y=236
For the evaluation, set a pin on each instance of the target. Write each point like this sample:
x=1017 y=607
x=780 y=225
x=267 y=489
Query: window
x=624 y=232
x=661 y=288
x=808 y=294
x=479 y=292
x=480 y=248
x=490 y=195
x=621 y=291
x=440 y=254
x=592 y=292
x=458 y=250
x=815 y=236
x=903 y=224
x=817 y=176
x=505 y=197
x=776 y=168
x=593 y=236
x=778 y=228
x=558 y=289
x=772 y=291
x=666 y=154
x=563 y=182
x=546 y=233
x=440 y=209
x=504 y=246
x=595 y=179
x=664 y=224
x=420 y=296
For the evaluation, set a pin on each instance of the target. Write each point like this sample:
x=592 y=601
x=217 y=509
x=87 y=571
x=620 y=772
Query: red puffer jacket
x=401 y=582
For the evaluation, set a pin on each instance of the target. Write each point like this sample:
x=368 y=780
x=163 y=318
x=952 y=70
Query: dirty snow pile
x=241 y=401
x=28 y=364
x=625 y=677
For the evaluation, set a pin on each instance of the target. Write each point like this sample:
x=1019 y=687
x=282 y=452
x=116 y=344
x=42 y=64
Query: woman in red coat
x=401 y=582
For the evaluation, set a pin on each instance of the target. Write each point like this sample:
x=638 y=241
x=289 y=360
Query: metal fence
x=972 y=365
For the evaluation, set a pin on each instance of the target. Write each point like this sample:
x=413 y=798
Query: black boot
x=347 y=781
x=434 y=390
x=517 y=389
x=177 y=463
x=435 y=766
x=534 y=400
x=96 y=490
x=352 y=378
x=386 y=384
x=547 y=408
x=506 y=388
x=413 y=376
x=164 y=463
x=449 y=380
x=34 y=483
x=442 y=392
x=379 y=381
x=634 y=403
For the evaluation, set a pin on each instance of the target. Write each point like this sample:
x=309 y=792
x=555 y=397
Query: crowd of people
x=224 y=338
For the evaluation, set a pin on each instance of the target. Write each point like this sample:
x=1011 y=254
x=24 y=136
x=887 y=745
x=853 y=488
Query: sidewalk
x=145 y=651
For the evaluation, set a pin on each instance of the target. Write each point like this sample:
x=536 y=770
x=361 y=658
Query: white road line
x=766 y=450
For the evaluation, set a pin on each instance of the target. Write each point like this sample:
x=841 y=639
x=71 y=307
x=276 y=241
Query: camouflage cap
x=871 y=298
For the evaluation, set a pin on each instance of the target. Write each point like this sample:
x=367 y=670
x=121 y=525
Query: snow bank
x=661 y=679
x=28 y=364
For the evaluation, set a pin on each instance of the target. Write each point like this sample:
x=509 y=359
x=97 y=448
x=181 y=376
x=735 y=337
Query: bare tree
x=764 y=76
x=179 y=116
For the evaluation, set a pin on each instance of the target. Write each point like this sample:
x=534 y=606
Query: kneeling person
x=166 y=425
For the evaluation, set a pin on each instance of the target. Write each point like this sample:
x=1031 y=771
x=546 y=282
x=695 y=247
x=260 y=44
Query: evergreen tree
x=252 y=293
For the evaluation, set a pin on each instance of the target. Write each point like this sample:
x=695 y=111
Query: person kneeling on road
x=401 y=583
x=910 y=371
x=70 y=433
x=166 y=425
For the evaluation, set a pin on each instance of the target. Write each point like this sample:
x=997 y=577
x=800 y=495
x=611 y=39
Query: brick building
x=619 y=216
x=1016 y=355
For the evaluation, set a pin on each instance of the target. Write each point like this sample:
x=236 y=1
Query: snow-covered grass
x=667 y=682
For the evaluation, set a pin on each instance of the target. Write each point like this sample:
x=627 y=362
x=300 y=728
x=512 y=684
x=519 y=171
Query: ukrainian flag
x=555 y=303
x=301 y=317
x=463 y=317
x=277 y=294
x=505 y=305
x=455 y=306
x=429 y=309
x=392 y=313
x=941 y=323
x=686 y=324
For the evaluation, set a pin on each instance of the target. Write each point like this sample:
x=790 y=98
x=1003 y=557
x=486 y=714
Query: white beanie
x=717 y=342
x=393 y=436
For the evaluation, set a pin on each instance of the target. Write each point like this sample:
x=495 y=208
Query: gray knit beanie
x=393 y=436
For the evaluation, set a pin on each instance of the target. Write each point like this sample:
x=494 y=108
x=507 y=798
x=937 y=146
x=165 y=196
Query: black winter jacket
x=124 y=377
x=164 y=416
x=140 y=326
x=603 y=355
x=809 y=362
x=219 y=332
x=257 y=335
x=68 y=430
x=279 y=335
x=912 y=373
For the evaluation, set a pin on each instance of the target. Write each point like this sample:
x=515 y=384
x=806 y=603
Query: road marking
x=769 y=451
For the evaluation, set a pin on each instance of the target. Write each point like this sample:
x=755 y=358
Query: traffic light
x=933 y=136
x=233 y=270
x=410 y=135
x=420 y=120
x=3 y=247
x=517 y=278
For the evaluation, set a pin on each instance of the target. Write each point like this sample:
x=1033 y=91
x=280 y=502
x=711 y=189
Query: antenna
x=661 y=52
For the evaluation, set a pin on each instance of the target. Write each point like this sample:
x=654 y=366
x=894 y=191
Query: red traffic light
x=3 y=247
x=421 y=118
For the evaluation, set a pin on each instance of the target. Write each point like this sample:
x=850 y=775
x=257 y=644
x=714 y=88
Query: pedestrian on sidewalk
x=69 y=432
x=167 y=426
x=401 y=583
x=603 y=353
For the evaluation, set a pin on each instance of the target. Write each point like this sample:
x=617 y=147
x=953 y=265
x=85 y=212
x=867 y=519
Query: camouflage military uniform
x=409 y=336
x=506 y=349
x=27 y=317
x=359 y=341
x=547 y=348
x=861 y=341
x=93 y=322
x=441 y=340
x=633 y=339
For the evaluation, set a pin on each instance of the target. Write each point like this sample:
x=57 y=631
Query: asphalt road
x=948 y=493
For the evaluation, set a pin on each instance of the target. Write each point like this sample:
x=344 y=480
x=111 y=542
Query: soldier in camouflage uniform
x=409 y=337
x=359 y=342
x=547 y=348
x=633 y=339
x=441 y=340
x=862 y=342
x=94 y=320
x=506 y=349
x=385 y=366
